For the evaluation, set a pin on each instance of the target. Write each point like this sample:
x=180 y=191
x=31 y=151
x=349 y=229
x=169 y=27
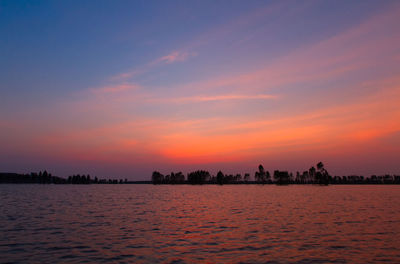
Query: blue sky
x=79 y=78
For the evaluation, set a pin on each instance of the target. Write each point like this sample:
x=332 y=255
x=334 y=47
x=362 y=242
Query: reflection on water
x=186 y=224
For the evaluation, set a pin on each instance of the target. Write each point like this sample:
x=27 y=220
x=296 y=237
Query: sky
x=119 y=89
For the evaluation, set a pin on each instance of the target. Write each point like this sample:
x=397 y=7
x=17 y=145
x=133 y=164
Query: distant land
x=315 y=175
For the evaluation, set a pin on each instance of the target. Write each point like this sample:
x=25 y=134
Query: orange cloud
x=126 y=122
x=230 y=138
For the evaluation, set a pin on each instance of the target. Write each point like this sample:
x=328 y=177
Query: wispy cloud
x=216 y=34
x=115 y=88
x=205 y=98
x=128 y=74
x=124 y=120
x=175 y=56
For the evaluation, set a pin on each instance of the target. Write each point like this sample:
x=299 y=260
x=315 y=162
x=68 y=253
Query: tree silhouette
x=312 y=174
x=198 y=177
x=267 y=176
x=220 y=178
x=246 y=177
x=260 y=175
x=238 y=177
x=281 y=177
x=322 y=175
x=157 y=178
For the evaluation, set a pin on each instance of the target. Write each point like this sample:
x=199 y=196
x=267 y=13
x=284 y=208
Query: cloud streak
x=175 y=56
x=340 y=98
x=118 y=88
x=213 y=98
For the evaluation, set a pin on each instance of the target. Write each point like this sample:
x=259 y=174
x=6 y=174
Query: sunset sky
x=121 y=88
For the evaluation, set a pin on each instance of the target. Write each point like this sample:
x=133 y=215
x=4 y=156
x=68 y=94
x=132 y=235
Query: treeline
x=41 y=177
x=82 y=179
x=47 y=178
x=314 y=175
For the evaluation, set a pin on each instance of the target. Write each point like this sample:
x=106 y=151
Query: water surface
x=186 y=224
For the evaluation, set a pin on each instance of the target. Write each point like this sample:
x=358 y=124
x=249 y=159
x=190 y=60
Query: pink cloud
x=138 y=127
x=211 y=98
x=129 y=74
x=363 y=46
x=324 y=131
x=115 y=88
x=175 y=56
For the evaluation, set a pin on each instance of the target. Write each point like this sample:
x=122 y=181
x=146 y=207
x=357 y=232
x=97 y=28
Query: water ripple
x=190 y=224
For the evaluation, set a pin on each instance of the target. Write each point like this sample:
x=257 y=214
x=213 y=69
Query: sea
x=128 y=223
